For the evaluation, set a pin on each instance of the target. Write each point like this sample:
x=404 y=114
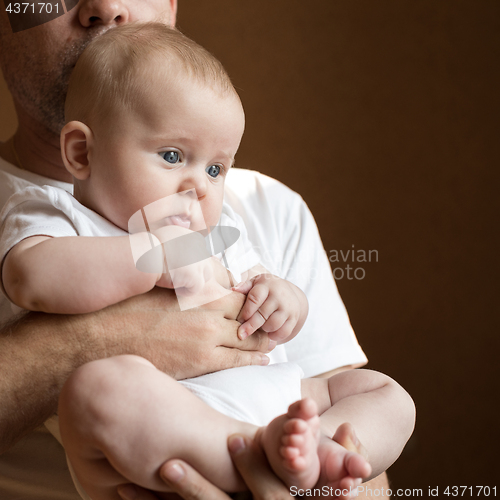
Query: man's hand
x=274 y=305
x=183 y=344
x=190 y=485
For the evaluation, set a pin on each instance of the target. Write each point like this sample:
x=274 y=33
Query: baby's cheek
x=208 y=219
x=212 y=206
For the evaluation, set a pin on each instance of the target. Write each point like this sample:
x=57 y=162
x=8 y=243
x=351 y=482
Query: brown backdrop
x=384 y=116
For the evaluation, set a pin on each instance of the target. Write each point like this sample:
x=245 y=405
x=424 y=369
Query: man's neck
x=36 y=149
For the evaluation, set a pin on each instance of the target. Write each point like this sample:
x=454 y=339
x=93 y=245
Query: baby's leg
x=306 y=450
x=366 y=412
x=122 y=418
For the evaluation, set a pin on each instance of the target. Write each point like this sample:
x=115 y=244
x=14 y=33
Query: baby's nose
x=191 y=193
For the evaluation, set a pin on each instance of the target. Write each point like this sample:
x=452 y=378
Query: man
x=38 y=352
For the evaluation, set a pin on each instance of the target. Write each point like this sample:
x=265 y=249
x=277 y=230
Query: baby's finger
x=275 y=321
x=284 y=332
x=243 y=287
x=252 y=325
x=255 y=298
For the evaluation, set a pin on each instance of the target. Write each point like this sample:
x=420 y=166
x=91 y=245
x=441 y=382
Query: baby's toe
x=357 y=466
x=304 y=409
x=295 y=426
x=289 y=452
x=293 y=440
x=297 y=464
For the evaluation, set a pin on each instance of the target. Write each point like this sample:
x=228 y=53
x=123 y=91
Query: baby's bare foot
x=343 y=459
x=291 y=444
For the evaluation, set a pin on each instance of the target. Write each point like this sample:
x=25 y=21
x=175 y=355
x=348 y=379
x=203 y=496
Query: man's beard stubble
x=42 y=91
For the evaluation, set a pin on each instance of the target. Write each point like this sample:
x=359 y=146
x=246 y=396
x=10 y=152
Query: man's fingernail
x=127 y=491
x=173 y=473
x=264 y=361
x=242 y=334
x=236 y=444
x=272 y=344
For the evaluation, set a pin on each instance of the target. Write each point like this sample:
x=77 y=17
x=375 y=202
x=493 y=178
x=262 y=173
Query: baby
x=153 y=121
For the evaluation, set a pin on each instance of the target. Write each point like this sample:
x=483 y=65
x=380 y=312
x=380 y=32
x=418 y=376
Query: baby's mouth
x=181 y=220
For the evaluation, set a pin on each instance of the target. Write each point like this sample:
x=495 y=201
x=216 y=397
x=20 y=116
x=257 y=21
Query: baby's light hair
x=113 y=70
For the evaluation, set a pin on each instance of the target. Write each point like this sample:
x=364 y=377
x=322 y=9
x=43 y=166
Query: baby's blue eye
x=170 y=156
x=213 y=170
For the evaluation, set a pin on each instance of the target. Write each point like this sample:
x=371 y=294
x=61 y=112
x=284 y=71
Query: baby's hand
x=192 y=277
x=272 y=304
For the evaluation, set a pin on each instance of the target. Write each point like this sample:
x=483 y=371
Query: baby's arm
x=272 y=304
x=76 y=274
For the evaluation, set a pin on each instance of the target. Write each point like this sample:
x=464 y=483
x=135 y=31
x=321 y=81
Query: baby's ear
x=76 y=139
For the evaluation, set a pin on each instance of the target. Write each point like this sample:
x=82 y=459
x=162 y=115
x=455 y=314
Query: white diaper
x=253 y=394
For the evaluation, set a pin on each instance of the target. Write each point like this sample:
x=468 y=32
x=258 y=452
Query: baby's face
x=181 y=139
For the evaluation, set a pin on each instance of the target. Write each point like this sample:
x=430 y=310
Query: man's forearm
x=37 y=354
x=39 y=351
